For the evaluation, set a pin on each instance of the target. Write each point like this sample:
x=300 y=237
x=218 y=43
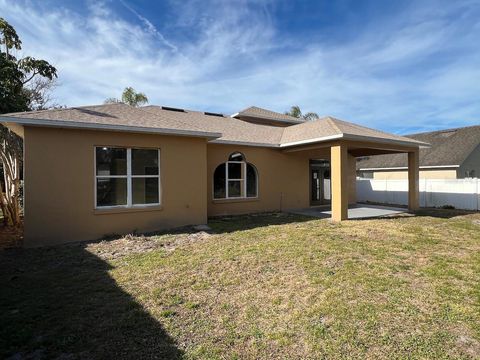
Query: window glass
x=144 y=162
x=111 y=191
x=235 y=179
x=219 y=190
x=234 y=188
x=111 y=161
x=251 y=181
x=235 y=170
x=145 y=191
x=236 y=156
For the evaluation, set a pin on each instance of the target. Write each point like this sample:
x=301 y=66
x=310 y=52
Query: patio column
x=339 y=175
x=413 y=180
x=352 y=180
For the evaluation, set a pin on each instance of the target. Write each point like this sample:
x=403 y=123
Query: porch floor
x=357 y=211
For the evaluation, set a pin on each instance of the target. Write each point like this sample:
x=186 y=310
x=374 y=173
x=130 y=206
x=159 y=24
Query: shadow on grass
x=61 y=303
x=227 y=224
x=443 y=213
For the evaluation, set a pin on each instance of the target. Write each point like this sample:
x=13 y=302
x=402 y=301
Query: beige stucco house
x=97 y=170
x=453 y=154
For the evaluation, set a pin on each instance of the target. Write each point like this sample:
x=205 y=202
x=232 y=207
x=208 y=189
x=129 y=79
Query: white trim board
x=242 y=143
x=406 y=168
x=97 y=126
x=355 y=137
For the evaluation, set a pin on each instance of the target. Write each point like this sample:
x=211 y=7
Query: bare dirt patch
x=137 y=244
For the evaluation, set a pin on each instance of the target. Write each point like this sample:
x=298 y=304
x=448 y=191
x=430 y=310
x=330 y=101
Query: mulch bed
x=10 y=237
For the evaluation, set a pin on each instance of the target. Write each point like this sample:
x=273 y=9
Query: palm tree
x=297 y=113
x=130 y=97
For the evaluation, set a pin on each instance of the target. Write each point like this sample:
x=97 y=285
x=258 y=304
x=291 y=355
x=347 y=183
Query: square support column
x=413 y=180
x=339 y=179
x=352 y=180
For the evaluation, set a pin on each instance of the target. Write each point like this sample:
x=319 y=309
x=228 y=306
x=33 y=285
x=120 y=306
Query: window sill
x=121 y=210
x=240 y=200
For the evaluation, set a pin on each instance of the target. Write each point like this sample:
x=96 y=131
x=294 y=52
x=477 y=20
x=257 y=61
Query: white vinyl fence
x=459 y=193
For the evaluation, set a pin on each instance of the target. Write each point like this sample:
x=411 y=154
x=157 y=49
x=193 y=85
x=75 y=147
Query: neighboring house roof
x=216 y=127
x=448 y=148
x=259 y=113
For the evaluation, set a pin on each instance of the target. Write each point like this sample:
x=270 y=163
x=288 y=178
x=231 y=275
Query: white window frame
x=128 y=176
x=243 y=182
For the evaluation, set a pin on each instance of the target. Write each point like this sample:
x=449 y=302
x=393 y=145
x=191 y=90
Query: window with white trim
x=126 y=177
x=235 y=179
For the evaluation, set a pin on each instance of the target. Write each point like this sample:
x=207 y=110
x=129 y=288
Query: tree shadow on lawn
x=443 y=213
x=228 y=224
x=61 y=302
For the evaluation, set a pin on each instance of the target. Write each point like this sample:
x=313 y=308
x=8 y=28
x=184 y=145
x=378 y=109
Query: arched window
x=235 y=179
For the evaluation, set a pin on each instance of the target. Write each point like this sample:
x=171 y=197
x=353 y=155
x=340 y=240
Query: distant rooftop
x=447 y=147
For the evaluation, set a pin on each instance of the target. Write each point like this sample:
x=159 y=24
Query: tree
x=297 y=113
x=39 y=92
x=21 y=89
x=10 y=156
x=130 y=97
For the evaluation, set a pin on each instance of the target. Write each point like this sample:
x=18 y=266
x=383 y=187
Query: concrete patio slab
x=359 y=211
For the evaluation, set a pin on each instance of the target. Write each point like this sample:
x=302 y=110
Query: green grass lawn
x=268 y=286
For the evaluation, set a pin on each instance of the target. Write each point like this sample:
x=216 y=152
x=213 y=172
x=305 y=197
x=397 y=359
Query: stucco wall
x=283 y=180
x=59 y=185
x=424 y=174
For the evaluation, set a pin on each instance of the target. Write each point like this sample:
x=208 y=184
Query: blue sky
x=401 y=66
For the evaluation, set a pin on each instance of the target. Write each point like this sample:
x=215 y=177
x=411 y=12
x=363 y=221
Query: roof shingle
x=256 y=112
x=217 y=128
x=448 y=147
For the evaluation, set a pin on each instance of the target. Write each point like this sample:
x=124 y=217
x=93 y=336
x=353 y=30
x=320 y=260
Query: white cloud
x=417 y=69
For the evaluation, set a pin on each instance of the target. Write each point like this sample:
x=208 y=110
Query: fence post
x=478 y=196
x=386 y=192
x=425 y=191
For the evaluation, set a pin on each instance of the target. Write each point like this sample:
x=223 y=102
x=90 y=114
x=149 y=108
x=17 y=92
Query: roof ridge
x=332 y=123
x=372 y=129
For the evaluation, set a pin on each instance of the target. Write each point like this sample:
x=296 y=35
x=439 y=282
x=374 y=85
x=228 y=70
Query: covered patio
x=355 y=212
x=342 y=155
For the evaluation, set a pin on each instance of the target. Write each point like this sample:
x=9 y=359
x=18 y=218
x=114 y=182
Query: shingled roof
x=259 y=113
x=117 y=116
x=448 y=148
x=215 y=127
x=231 y=129
x=330 y=127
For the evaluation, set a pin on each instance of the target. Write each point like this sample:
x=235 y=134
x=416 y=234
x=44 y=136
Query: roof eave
x=107 y=127
x=342 y=136
x=406 y=167
x=414 y=143
x=243 y=143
